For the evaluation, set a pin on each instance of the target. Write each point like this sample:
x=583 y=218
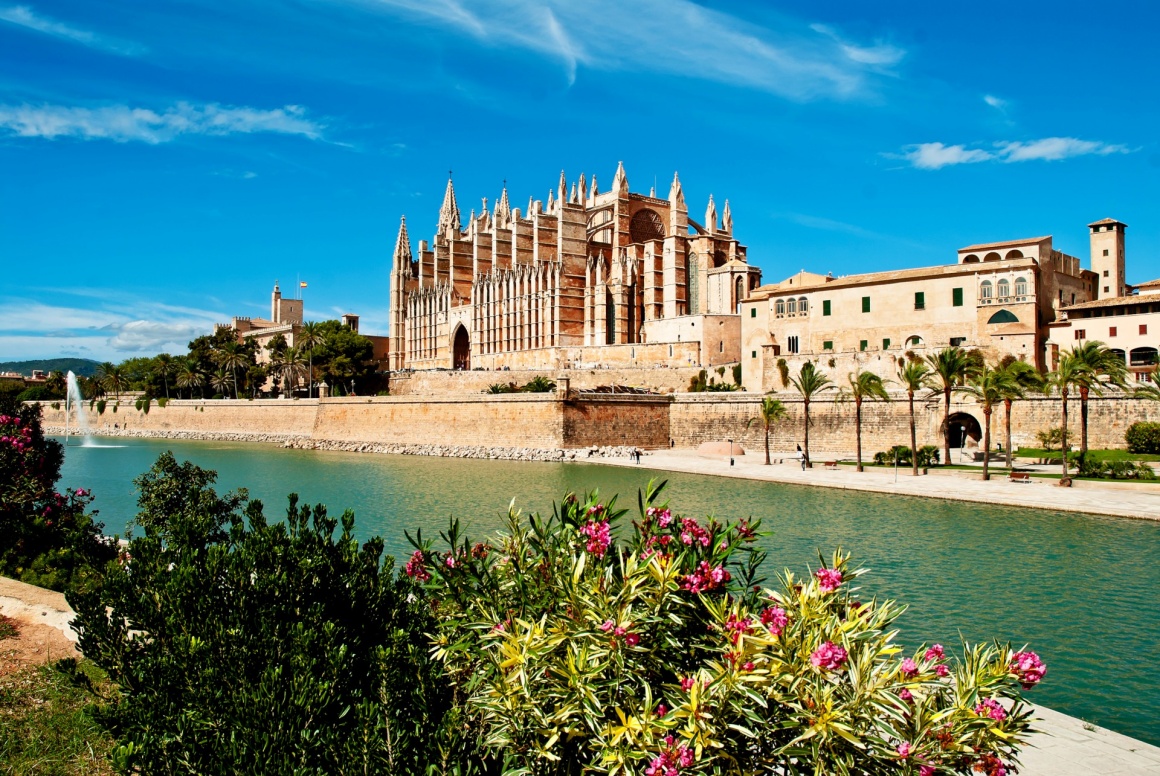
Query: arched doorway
x=965 y=432
x=461 y=349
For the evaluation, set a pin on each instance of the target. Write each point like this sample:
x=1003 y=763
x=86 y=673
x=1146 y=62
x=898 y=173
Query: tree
x=308 y=339
x=293 y=368
x=1104 y=368
x=1151 y=389
x=1069 y=374
x=189 y=377
x=1021 y=377
x=221 y=381
x=949 y=368
x=864 y=385
x=772 y=413
x=55 y=383
x=912 y=377
x=163 y=366
x=231 y=356
x=989 y=386
x=112 y=378
x=809 y=382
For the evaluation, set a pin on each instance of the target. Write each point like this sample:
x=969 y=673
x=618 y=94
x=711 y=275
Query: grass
x=45 y=724
x=1099 y=455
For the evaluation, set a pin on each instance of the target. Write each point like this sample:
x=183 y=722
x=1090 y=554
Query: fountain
x=74 y=398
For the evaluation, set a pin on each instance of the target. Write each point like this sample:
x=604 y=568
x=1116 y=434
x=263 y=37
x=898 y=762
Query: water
x=1080 y=589
x=74 y=400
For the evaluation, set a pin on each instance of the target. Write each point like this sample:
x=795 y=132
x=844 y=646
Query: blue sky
x=162 y=163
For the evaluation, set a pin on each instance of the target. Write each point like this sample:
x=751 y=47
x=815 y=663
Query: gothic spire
x=551 y=201
x=449 y=212
x=594 y=191
x=402 y=247
x=582 y=192
x=562 y=191
x=620 y=182
x=503 y=208
x=572 y=197
x=711 y=216
x=676 y=193
x=727 y=219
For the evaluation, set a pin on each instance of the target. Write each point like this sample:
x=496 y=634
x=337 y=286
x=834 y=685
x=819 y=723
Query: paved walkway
x=1039 y=494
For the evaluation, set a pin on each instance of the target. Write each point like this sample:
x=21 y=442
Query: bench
x=831 y=465
x=1019 y=477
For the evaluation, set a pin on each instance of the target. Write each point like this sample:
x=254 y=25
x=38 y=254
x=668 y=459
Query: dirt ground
x=36 y=644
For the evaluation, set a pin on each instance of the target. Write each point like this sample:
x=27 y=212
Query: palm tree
x=55 y=382
x=189 y=377
x=308 y=339
x=112 y=377
x=163 y=367
x=864 y=385
x=809 y=382
x=230 y=356
x=1104 y=368
x=1151 y=389
x=1069 y=374
x=989 y=386
x=949 y=368
x=1021 y=377
x=220 y=381
x=913 y=378
x=772 y=413
x=293 y=366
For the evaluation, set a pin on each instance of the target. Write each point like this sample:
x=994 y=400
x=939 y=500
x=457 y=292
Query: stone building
x=588 y=278
x=998 y=297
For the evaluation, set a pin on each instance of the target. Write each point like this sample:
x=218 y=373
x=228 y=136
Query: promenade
x=1038 y=493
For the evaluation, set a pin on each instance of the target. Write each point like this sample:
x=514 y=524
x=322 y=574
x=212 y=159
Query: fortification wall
x=454 y=383
x=292 y=418
x=642 y=421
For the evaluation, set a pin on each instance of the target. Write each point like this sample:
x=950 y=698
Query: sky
x=162 y=164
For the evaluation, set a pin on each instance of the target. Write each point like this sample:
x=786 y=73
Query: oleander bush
x=1089 y=465
x=928 y=455
x=662 y=653
x=47 y=537
x=1143 y=437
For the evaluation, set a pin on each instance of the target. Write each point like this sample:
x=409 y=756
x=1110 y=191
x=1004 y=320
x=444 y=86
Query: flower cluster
x=599 y=535
x=671 y=760
x=650 y=545
x=20 y=438
x=693 y=533
x=990 y=765
x=991 y=708
x=706 y=578
x=619 y=632
x=829 y=657
x=829 y=580
x=774 y=618
x=664 y=517
x=416 y=567
x=737 y=627
x=1028 y=668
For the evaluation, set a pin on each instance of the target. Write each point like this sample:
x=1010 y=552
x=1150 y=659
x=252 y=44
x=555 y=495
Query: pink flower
x=607 y=626
x=706 y=578
x=416 y=567
x=599 y=536
x=905 y=694
x=662 y=709
x=829 y=580
x=82 y=492
x=991 y=708
x=663 y=516
x=903 y=750
x=926 y=770
x=692 y=533
x=991 y=765
x=687 y=683
x=942 y=670
x=748 y=666
x=934 y=653
x=1028 y=668
x=595 y=511
x=774 y=618
x=672 y=759
x=909 y=668
x=736 y=627
x=829 y=657
x=632 y=639
x=450 y=561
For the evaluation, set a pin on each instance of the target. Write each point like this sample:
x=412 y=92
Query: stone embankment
x=443 y=451
x=466 y=451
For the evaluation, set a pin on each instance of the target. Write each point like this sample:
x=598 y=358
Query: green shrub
x=162 y=401
x=35 y=393
x=241 y=646
x=539 y=384
x=783 y=372
x=1090 y=465
x=1050 y=438
x=928 y=455
x=737 y=374
x=101 y=406
x=496 y=388
x=1143 y=437
x=572 y=653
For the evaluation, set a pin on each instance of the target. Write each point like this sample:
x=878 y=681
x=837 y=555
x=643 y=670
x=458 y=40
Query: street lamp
x=730 y=452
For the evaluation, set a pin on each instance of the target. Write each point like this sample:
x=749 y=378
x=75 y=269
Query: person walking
x=801 y=457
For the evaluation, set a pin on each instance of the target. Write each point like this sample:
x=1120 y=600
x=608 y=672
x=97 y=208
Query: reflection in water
x=1079 y=588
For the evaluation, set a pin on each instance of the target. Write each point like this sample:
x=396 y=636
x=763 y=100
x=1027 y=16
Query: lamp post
x=730 y=452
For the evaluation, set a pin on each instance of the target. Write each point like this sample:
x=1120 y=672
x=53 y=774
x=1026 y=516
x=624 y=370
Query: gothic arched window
x=693 y=282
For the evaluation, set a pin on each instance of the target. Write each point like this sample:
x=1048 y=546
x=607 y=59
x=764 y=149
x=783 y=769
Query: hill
x=81 y=367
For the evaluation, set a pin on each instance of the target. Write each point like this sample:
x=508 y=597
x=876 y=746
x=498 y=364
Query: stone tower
x=1107 y=240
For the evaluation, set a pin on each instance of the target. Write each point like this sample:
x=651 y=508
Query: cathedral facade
x=585 y=279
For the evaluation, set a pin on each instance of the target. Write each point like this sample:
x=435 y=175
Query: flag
x=302 y=284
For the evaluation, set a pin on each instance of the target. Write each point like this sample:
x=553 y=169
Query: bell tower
x=1107 y=241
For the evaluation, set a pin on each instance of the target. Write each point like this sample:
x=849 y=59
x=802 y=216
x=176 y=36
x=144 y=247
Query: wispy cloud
x=823 y=224
x=123 y=123
x=23 y=16
x=679 y=38
x=933 y=156
x=997 y=103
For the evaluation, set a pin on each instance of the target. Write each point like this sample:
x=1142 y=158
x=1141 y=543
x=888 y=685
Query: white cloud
x=676 y=37
x=1055 y=148
x=122 y=123
x=23 y=16
x=995 y=102
x=932 y=156
x=155 y=336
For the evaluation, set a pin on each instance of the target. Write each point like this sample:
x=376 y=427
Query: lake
x=1081 y=590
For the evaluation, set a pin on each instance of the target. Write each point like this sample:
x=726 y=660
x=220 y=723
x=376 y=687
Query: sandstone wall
x=642 y=421
x=262 y=416
x=428 y=383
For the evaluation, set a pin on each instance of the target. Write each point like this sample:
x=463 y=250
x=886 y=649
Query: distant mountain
x=81 y=367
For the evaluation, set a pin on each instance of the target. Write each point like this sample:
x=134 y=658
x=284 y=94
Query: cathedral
x=587 y=279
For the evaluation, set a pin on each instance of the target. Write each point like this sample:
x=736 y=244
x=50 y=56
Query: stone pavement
x=1039 y=494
